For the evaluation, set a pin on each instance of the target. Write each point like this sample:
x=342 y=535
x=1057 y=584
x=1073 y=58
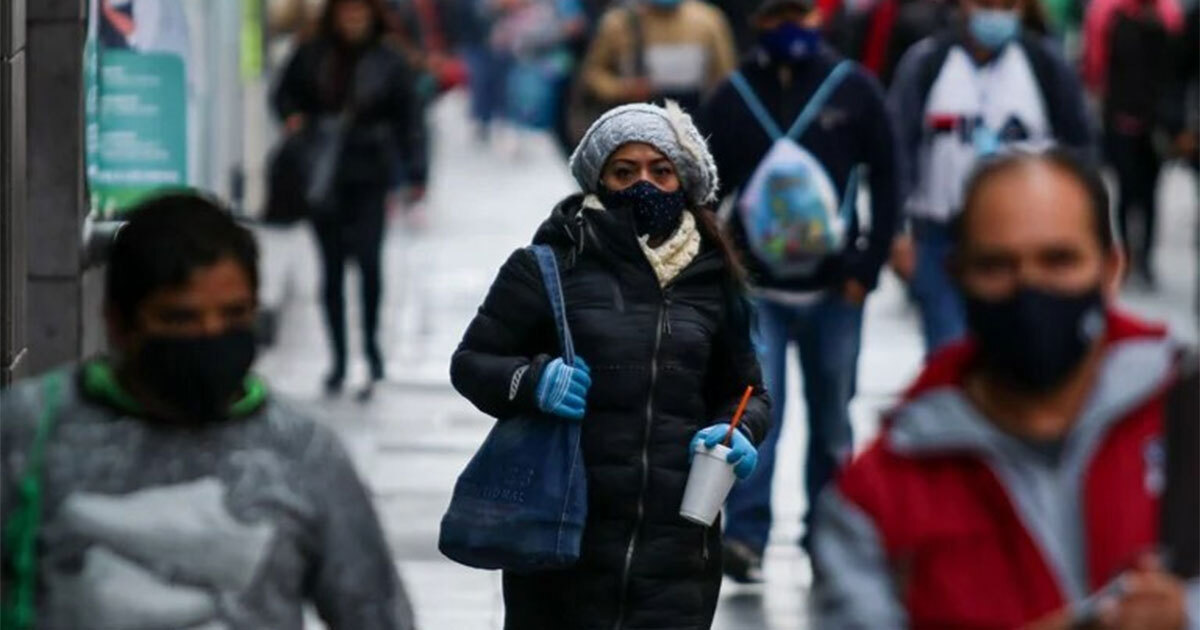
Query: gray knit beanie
x=668 y=129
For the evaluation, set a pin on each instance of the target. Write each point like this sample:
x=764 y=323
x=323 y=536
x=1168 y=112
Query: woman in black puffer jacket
x=654 y=300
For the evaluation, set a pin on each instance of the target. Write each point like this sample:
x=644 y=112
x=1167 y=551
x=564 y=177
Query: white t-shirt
x=971 y=111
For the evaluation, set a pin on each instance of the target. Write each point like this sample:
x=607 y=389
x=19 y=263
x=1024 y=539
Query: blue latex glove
x=563 y=389
x=742 y=455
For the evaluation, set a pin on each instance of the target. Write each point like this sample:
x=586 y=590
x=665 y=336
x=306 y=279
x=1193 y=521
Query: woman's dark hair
x=710 y=230
x=740 y=308
x=381 y=18
x=1066 y=162
x=164 y=240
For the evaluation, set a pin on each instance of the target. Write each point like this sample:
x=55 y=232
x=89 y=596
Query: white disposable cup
x=709 y=482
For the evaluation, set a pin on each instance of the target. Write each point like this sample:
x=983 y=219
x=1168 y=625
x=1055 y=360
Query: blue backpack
x=521 y=503
x=790 y=208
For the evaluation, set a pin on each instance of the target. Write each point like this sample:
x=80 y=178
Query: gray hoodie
x=231 y=525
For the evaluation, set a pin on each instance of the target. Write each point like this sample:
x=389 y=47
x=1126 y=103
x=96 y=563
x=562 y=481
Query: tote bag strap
x=550 y=278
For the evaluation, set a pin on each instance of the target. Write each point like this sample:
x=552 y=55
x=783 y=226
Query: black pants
x=538 y=602
x=1137 y=165
x=355 y=229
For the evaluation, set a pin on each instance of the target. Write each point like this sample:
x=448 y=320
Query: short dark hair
x=164 y=240
x=1063 y=160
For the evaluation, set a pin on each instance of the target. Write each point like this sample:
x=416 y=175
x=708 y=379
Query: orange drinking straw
x=737 y=416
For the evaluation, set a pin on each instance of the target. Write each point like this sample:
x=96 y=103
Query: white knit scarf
x=671 y=256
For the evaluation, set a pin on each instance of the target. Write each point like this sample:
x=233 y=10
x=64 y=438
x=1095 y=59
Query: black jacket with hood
x=666 y=362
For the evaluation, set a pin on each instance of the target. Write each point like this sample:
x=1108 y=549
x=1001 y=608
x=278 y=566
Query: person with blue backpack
x=796 y=133
x=626 y=319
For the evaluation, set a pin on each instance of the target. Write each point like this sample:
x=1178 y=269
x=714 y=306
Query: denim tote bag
x=521 y=503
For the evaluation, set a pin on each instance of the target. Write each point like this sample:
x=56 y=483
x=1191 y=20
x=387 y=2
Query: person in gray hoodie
x=161 y=486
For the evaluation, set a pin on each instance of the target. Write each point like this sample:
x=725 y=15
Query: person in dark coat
x=820 y=311
x=349 y=76
x=654 y=300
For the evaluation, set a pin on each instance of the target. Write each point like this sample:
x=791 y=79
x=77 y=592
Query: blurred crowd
x=746 y=169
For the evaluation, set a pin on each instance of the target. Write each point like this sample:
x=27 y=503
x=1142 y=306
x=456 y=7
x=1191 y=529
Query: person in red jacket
x=1018 y=484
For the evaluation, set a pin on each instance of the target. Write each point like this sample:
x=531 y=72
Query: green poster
x=252 y=40
x=140 y=127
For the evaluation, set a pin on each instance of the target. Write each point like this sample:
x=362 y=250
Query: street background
x=412 y=439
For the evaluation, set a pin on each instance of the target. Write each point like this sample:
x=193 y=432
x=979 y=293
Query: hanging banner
x=136 y=101
x=252 y=45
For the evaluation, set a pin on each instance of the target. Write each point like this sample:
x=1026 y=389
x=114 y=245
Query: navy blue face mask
x=1034 y=339
x=656 y=213
x=790 y=42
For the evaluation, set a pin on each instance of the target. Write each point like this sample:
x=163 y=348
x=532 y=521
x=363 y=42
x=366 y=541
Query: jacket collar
x=99 y=382
x=581 y=226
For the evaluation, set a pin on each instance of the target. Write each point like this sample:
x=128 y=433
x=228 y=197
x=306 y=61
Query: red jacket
x=945 y=522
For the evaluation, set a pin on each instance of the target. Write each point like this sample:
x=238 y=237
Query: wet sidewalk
x=411 y=440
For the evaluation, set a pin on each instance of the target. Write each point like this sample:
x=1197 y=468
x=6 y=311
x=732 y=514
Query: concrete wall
x=57 y=290
x=13 y=61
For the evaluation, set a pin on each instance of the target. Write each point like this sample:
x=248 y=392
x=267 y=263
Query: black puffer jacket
x=665 y=364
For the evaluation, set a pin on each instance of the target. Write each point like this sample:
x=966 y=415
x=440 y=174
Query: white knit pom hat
x=668 y=129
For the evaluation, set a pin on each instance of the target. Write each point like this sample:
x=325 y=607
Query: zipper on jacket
x=641 y=505
x=667 y=312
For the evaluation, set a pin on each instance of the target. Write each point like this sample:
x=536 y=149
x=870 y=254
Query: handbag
x=286 y=202
x=310 y=157
x=521 y=502
x=325 y=140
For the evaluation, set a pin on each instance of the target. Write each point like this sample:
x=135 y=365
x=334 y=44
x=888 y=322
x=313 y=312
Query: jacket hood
x=560 y=230
x=936 y=415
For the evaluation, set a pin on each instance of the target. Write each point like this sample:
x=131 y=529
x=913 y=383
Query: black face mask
x=198 y=376
x=656 y=213
x=1034 y=339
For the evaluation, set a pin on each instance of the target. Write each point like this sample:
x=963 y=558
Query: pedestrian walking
x=535 y=35
x=162 y=485
x=350 y=102
x=651 y=50
x=895 y=25
x=1027 y=479
x=1133 y=89
x=788 y=186
x=661 y=330
x=979 y=87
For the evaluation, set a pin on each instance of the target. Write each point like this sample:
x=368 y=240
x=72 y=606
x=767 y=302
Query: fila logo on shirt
x=967 y=128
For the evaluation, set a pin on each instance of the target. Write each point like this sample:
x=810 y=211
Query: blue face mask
x=993 y=28
x=790 y=42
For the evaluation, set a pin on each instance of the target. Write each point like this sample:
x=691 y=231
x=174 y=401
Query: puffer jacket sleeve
x=291 y=94
x=733 y=366
x=496 y=366
x=408 y=120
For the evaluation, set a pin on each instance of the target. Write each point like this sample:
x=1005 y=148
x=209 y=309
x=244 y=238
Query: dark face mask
x=656 y=213
x=789 y=42
x=197 y=376
x=1034 y=339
